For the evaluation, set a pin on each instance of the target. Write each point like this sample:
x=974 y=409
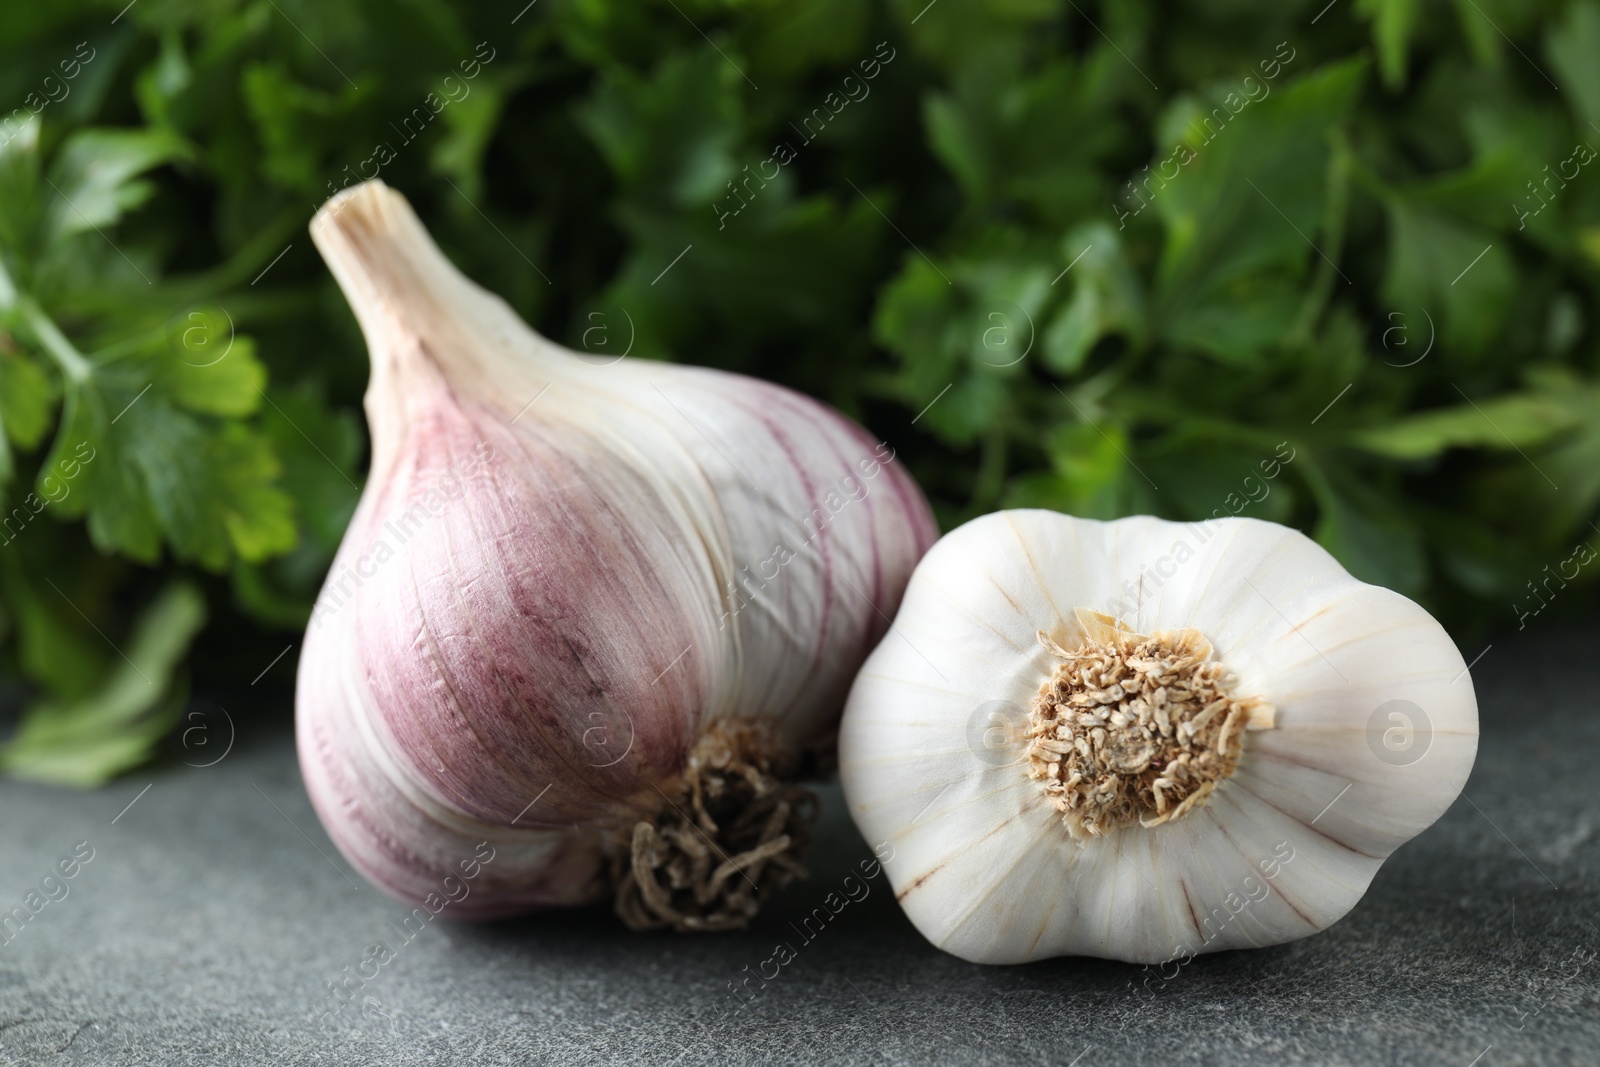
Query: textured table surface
x=214 y=912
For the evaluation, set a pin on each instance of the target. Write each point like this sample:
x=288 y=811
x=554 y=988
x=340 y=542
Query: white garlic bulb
x=1144 y=739
x=591 y=618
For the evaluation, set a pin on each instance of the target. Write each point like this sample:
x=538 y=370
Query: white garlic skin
x=982 y=863
x=532 y=662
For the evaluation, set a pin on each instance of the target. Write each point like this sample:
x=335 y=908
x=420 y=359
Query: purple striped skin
x=547 y=630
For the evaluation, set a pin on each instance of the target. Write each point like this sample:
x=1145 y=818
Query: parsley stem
x=1337 y=202
x=73 y=363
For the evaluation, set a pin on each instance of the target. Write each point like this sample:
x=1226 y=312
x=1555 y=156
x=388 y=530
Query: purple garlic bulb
x=592 y=620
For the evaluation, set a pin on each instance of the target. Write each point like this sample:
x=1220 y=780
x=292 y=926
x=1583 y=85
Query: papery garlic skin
x=530 y=658
x=1282 y=848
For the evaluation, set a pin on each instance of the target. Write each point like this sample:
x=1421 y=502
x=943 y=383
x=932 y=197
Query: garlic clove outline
x=1282 y=847
x=578 y=598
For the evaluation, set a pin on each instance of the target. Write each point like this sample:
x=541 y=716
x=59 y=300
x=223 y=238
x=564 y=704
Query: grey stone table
x=213 y=913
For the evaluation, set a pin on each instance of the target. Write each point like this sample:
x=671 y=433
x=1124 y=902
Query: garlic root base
x=731 y=836
x=1134 y=728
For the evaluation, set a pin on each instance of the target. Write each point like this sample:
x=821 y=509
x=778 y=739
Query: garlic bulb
x=590 y=618
x=1144 y=739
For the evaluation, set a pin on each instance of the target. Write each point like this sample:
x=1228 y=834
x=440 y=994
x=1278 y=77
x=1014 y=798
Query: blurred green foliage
x=1327 y=264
